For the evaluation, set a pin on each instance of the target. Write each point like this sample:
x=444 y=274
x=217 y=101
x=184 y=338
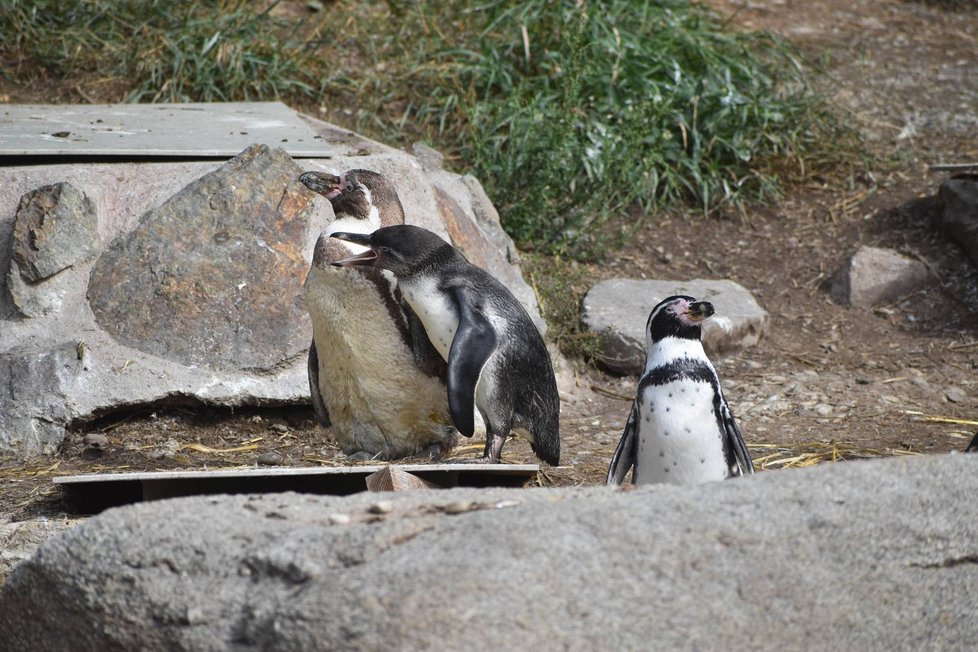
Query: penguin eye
x=349 y=187
x=384 y=250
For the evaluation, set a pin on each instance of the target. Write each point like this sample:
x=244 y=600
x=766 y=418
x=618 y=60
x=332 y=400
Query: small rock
x=955 y=394
x=279 y=427
x=270 y=458
x=338 y=519
x=823 y=409
x=381 y=507
x=96 y=440
x=458 y=507
x=873 y=275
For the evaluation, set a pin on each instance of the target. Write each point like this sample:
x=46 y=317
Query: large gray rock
x=196 y=277
x=213 y=277
x=851 y=556
x=956 y=213
x=618 y=309
x=873 y=275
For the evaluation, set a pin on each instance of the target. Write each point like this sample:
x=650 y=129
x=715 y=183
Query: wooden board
x=92 y=493
x=193 y=130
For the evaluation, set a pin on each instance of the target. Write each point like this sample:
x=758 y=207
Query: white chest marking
x=679 y=439
x=435 y=311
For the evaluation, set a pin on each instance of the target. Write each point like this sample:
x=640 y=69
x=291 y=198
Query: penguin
x=497 y=361
x=680 y=429
x=973 y=446
x=373 y=374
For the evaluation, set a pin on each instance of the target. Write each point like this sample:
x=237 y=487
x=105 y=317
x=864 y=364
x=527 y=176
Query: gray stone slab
x=219 y=129
x=872 y=555
x=618 y=309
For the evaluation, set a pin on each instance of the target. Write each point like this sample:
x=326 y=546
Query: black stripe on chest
x=680 y=369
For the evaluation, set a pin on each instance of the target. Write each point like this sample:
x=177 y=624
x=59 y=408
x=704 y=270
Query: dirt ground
x=827 y=383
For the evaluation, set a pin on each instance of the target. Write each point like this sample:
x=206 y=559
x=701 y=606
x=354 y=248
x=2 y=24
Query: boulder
x=213 y=277
x=847 y=556
x=956 y=212
x=873 y=275
x=618 y=309
x=140 y=284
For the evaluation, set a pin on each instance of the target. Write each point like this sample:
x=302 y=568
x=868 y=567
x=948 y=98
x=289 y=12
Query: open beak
x=369 y=257
x=699 y=310
x=327 y=185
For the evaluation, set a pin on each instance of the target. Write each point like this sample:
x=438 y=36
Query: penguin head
x=677 y=316
x=405 y=249
x=359 y=194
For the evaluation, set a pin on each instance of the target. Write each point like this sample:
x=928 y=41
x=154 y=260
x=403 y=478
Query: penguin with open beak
x=680 y=429
x=373 y=375
x=497 y=360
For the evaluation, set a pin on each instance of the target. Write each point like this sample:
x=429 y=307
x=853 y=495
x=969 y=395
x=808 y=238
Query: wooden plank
x=211 y=129
x=91 y=493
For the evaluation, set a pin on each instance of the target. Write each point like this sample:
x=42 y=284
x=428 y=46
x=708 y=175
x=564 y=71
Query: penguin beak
x=699 y=311
x=369 y=257
x=327 y=185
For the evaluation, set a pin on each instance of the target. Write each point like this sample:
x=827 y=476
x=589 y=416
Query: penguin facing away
x=373 y=374
x=680 y=429
x=497 y=360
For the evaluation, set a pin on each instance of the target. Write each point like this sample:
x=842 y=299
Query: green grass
x=579 y=117
x=560 y=284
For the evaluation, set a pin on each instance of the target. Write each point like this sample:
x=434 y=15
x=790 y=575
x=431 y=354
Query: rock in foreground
x=858 y=555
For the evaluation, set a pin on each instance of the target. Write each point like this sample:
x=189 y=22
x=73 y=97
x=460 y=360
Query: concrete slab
x=190 y=130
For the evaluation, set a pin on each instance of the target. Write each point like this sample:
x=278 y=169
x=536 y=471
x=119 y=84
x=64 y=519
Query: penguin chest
x=679 y=439
x=436 y=310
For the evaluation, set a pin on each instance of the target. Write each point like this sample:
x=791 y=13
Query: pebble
x=338 y=519
x=279 y=427
x=96 y=440
x=823 y=409
x=270 y=458
x=955 y=394
x=458 y=507
x=381 y=507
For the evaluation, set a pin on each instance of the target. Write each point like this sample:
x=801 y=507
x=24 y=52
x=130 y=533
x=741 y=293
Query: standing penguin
x=680 y=429
x=497 y=361
x=373 y=374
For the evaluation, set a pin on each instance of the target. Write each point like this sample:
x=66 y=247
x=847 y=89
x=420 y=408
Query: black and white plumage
x=497 y=360
x=680 y=429
x=373 y=375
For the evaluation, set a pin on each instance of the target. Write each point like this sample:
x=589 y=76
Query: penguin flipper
x=624 y=457
x=473 y=343
x=318 y=406
x=736 y=441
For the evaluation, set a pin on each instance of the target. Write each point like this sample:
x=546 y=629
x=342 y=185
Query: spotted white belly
x=678 y=439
